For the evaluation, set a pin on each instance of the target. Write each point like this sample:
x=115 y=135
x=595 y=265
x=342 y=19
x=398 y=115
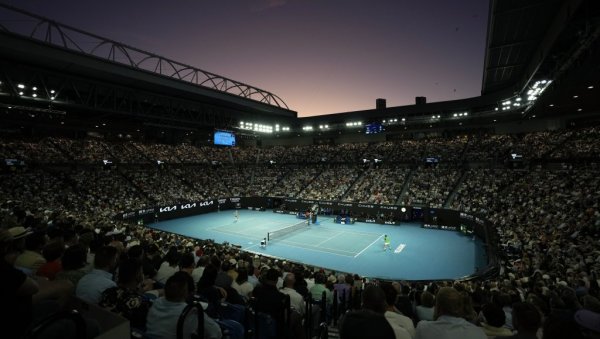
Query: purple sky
x=320 y=56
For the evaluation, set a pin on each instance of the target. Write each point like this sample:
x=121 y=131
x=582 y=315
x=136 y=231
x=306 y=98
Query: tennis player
x=386 y=243
x=236 y=216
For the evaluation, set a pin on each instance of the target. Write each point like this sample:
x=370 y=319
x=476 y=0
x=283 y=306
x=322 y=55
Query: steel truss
x=78 y=94
x=23 y=23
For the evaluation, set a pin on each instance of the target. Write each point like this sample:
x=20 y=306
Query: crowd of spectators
x=58 y=239
x=431 y=186
x=379 y=185
x=417 y=150
x=481 y=187
x=584 y=144
x=331 y=184
x=295 y=180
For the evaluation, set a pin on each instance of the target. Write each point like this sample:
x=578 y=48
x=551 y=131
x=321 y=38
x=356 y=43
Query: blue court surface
x=416 y=253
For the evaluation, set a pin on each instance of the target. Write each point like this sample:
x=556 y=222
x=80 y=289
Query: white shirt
x=401 y=320
x=165 y=272
x=296 y=299
x=244 y=289
x=90 y=286
x=197 y=274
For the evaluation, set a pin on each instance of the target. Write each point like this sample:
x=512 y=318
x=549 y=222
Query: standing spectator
x=449 y=323
x=317 y=290
x=296 y=299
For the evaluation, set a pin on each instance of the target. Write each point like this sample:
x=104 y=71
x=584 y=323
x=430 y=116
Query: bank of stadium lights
x=250 y=126
x=436 y=117
x=393 y=121
x=536 y=89
x=307 y=128
x=461 y=114
x=354 y=123
x=323 y=127
x=509 y=104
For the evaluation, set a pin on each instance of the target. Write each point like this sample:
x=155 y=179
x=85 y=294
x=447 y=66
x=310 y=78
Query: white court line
x=316 y=250
x=304 y=245
x=364 y=249
x=346 y=231
x=326 y=240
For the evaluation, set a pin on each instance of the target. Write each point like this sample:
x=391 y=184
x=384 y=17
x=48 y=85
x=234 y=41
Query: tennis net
x=286 y=230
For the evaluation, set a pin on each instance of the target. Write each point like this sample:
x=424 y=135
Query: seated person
x=163 y=315
x=90 y=287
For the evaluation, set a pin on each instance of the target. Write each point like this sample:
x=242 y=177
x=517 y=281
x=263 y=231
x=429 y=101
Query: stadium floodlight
x=518 y=99
x=403 y=119
x=34 y=95
x=21 y=86
x=495 y=109
x=579 y=109
x=403 y=209
x=575 y=96
x=21 y=93
x=34 y=88
x=455 y=115
x=52 y=91
x=51 y=98
x=589 y=87
x=466 y=113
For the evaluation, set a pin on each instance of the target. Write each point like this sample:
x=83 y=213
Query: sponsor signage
x=167 y=209
x=186 y=206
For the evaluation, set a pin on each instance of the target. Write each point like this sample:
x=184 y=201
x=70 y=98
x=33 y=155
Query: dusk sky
x=320 y=57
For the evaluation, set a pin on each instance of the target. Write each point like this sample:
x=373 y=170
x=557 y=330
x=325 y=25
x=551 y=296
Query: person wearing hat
x=31 y=258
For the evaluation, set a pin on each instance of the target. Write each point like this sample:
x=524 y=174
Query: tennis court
x=416 y=253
